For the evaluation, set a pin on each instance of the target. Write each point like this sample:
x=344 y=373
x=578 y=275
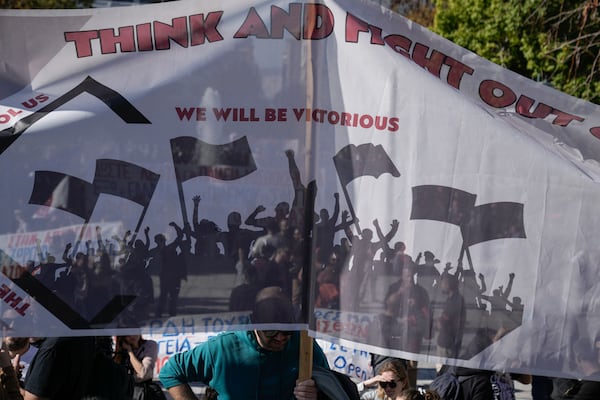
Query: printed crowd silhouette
x=420 y=309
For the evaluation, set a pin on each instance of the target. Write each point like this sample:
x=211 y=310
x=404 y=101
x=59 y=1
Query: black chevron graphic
x=113 y=99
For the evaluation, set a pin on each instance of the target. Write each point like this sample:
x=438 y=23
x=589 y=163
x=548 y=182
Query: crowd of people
x=347 y=262
x=417 y=302
x=89 y=275
x=80 y=368
x=353 y=269
x=257 y=364
x=269 y=251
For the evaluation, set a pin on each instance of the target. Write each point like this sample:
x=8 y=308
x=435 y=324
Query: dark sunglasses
x=391 y=384
x=272 y=334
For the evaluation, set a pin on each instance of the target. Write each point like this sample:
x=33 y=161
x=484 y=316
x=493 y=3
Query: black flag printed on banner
x=365 y=159
x=491 y=221
x=124 y=179
x=65 y=192
x=441 y=203
x=193 y=157
x=501 y=220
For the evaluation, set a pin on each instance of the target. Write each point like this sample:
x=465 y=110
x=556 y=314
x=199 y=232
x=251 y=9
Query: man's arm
x=253 y=221
x=181 y=369
x=182 y=392
x=66 y=258
x=306 y=390
x=179 y=236
x=378 y=230
x=31 y=396
x=336 y=209
x=346 y=225
x=394 y=228
x=8 y=377
x=196 y=200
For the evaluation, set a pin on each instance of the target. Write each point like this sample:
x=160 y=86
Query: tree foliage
x=26 y=4
x=420 y=11
x=554 y=41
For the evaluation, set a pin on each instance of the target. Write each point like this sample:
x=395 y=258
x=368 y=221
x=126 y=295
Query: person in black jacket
x=586 y=359
x=475 y=384
x=61 y=369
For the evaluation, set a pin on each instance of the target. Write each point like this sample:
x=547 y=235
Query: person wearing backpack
x=459 y=383
x=586 y=361
x=503 y=384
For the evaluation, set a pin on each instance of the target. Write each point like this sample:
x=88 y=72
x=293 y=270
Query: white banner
x=176 y=335
x=455 y=202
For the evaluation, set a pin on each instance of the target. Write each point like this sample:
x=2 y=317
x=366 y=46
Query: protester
x=503 y=384
x=391 y=380
x=541 y=387
x=411 y=366
x=474 y=384
x=586 y=359
x=414 y=309
x=15 y=347
x=451 y=322
x=263 y=363
x=9 y=382
x=140 y=358
x=105 y=369
x=12 y=349
x=61 y=368
x=419 y=394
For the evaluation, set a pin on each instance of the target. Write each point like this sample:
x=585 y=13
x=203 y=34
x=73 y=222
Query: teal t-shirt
x=238 y=368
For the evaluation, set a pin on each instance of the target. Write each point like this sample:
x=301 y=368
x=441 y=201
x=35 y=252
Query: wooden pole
x=181 y=200
x=82 y=232
x=306 y=356
x=351 y=208
x=306 y=342
x=469 y=258
x=139 y=223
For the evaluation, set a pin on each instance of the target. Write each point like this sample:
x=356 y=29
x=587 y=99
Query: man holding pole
x=258 y=364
